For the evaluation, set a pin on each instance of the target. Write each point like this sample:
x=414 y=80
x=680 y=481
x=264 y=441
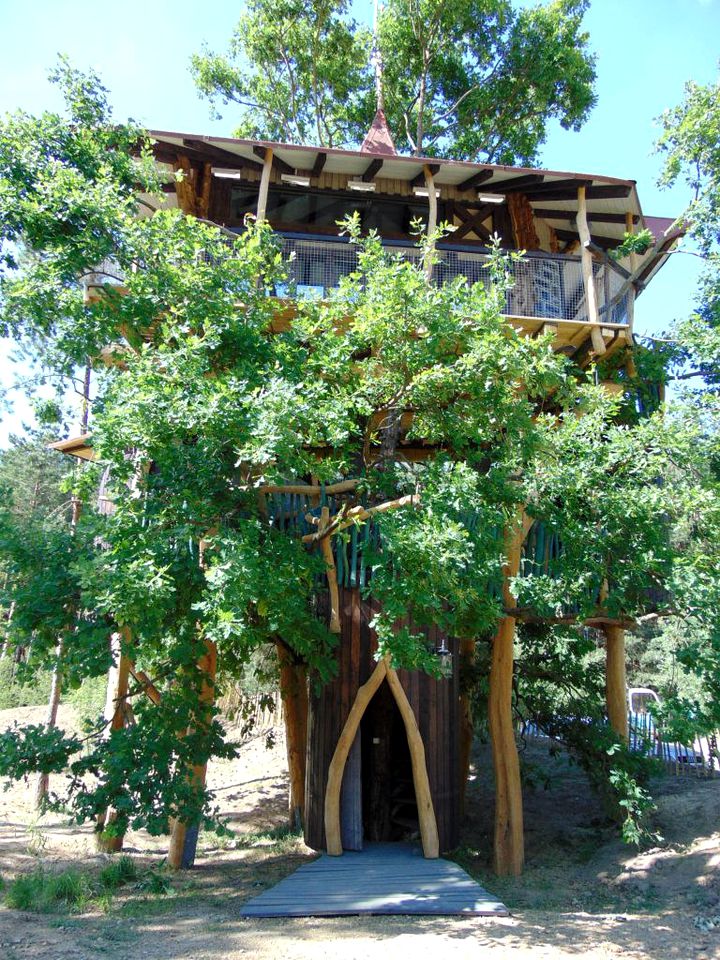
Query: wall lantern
x=444 y=655
x=491 y=197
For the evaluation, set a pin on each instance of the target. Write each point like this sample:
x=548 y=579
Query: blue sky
x=646 y=50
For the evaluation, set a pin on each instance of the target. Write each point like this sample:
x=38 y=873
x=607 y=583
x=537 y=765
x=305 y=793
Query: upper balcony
x=546 y=288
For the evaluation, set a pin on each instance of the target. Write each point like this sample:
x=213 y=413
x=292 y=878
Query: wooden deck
x=385 y=878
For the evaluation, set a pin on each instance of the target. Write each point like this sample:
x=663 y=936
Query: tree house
x=380 y=754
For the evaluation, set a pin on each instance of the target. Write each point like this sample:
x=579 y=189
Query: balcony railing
x=546 y=286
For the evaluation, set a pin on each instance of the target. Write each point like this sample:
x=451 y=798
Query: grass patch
x=74 y=891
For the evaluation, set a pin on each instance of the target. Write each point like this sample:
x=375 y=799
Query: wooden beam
x=615 y=679
x=604 y=243
x=432 y=218
x=553 y=193
x=369 y=174
x=587 y=270
x=185 y=187
x=320 y=161
x=472 y=223
x=223 y=157
x=264 y=186
x=278 y=163
x=515 y=183
x=421 y=179
x=569 y=215
x=482 y=176
x=509 y=840
x=294 y=694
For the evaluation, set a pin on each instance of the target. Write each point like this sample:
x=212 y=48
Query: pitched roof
x=379 y=139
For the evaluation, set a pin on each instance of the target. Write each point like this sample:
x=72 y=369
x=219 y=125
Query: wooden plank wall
x=434 y=702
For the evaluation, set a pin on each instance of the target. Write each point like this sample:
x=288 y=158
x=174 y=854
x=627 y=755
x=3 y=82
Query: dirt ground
x=583 y=892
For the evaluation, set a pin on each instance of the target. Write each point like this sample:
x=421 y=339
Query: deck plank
x=385 y=878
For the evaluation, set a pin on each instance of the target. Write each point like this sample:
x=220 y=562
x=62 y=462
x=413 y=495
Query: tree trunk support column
x=509 y=853
x=293 y=690
x=115 y=707
x=467 y=654
x=184 y=836
x=615 y=679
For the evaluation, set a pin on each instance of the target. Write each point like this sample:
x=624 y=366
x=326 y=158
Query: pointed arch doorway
x=426 y=812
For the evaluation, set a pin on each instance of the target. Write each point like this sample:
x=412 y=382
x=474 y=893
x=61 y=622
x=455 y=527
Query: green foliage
x=14 y=694
x=689 y=144
x=118 y=872
x=469 y=79
x=207 y=406
x=639 y=243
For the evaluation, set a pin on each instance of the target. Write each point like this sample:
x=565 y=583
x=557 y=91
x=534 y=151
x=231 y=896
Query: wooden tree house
x=380 y=754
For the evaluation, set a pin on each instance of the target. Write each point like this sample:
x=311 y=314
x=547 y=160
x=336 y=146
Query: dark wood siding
x=434 y=702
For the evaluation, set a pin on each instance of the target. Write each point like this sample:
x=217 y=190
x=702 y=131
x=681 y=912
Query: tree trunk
x=615 y=679
x=115 y=704
x=294 y=693
x=509 y=841
x=43 y=780
x=184 y=835
x=509 y=852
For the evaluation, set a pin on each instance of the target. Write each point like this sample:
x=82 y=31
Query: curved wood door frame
x=426 y=811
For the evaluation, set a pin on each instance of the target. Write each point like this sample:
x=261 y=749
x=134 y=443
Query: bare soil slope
x=583 y=892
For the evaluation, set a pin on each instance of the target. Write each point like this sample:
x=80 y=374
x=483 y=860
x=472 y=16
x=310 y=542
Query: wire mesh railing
x=543 y=285
x=546 y=287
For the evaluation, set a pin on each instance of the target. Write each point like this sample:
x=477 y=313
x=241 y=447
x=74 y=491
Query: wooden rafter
x=374 y=166
x=482 y=176
x=219 y=156
x=421 y=179
x=279 y=164
x=515 y=183
x=569 y=215
x=320 y=161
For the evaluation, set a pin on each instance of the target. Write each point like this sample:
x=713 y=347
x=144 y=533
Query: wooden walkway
x=385 y=878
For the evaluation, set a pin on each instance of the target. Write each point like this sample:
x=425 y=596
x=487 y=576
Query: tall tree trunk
x=294 y=693
x=184 y=835
x=115 y=706
x=509 y=840
x=615 y=679
x=43 y=781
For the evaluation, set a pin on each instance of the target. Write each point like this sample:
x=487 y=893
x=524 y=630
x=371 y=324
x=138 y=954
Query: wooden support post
x=327 y=552
x=587 y=269
x=185 y=187
x=183 y=837
x=294 y=694
x=115 y=710
x=509 y=841
x=615 y=679
x=432 y=220
x=264 y=185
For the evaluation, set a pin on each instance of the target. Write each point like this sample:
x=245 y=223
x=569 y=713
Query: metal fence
x=700 y=758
